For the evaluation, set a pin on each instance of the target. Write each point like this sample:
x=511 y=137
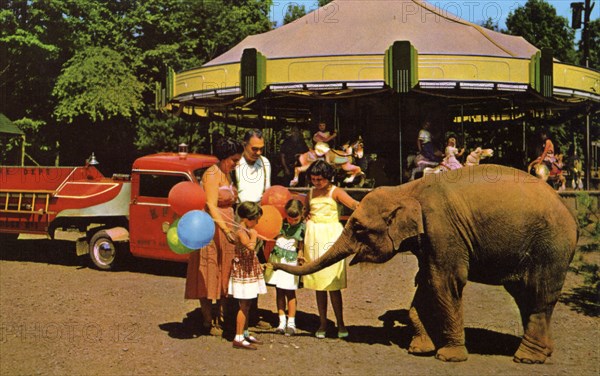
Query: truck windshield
x=158 y=185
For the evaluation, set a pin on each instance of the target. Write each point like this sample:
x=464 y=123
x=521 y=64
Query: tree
x=93 y=63
x=31 y=37
x=293 y=12
x=97 y=84
x=539 y=24
x=491 y=24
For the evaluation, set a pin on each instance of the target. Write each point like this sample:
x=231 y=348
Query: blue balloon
x=195 y=229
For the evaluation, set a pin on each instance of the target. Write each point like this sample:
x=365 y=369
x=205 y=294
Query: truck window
x=199 y=172
x=153 y=185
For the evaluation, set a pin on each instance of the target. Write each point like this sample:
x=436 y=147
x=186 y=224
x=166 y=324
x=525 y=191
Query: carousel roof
x=362 y=27
x=344 y=49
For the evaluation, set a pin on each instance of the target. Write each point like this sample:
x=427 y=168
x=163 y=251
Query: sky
x=475 y=11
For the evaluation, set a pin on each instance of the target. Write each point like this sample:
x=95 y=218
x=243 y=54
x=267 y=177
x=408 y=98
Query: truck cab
x=150 y=215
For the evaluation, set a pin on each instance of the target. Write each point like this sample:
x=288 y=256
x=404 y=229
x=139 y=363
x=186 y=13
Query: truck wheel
x=103 y=251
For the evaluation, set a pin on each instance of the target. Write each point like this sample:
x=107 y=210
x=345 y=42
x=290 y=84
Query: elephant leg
x=536 y=314
x=447 y=291
x=421 y=342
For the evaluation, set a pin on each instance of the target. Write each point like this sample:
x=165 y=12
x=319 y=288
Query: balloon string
x=234 y=224
x=238 y=226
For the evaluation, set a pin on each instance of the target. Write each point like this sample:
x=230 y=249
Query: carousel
x=377 y=71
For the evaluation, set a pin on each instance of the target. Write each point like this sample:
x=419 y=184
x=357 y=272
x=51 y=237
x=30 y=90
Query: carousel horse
x=339 y=159
x=420 y=163
x=473 y=159
x=553 y=176
x=577 y=172
x=477 y=155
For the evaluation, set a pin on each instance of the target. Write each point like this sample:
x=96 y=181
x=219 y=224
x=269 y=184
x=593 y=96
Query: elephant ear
x=406 y=221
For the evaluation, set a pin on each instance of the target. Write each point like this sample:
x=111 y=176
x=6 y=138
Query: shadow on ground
x=395 y=331
x=57 y=252
x=583 y=299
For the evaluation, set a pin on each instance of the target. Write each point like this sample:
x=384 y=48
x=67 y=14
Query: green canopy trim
x=7 y=126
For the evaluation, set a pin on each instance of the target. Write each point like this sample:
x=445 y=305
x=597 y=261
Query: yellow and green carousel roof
x=353 y=46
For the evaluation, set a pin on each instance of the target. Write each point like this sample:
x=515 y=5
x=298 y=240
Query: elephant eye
x=358 y=228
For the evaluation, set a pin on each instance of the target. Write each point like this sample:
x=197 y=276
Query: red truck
x=101 y=215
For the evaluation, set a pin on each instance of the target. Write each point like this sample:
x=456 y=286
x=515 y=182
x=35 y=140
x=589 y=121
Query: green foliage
x=491 y=24
x=588 y=218
x=594 y=58
x=97 y=84
x=293 y=12
x=85 y=62
x=40 y=144
x=539 y=24
x=161 y=133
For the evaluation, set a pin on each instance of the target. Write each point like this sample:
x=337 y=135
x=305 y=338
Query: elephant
x=488 y=224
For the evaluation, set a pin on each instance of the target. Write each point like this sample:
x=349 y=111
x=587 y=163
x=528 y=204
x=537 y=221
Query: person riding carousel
x=548 y=159
x=425 y=144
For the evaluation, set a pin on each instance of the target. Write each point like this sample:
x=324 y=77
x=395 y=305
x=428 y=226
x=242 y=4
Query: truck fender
x=118 y=234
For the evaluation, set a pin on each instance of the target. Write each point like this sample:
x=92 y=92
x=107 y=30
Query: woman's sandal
x=320 y=334
x=343 y=334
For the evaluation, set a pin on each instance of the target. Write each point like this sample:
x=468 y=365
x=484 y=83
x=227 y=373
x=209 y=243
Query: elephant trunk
x=338 y=251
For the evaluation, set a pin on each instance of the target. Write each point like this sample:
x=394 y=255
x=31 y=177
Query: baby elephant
x=489 y=224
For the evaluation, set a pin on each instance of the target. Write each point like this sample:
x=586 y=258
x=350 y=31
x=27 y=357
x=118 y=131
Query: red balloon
x=186 y=196
x=270 y=223
x=277 y=196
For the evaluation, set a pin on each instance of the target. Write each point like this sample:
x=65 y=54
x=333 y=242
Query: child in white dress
x=323 y=228
x=288 y=250
x=246 y=280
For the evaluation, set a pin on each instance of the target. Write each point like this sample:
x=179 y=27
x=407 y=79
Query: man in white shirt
x=253 y=173
x=253 y=178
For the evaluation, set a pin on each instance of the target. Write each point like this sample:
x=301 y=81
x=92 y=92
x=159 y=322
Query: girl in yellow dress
x=323 y=228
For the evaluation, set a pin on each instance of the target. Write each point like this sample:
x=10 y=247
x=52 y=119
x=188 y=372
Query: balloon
x=173 y=240
x=186 y=196
x=270 y=223
x=195 y=229
x=277 y=196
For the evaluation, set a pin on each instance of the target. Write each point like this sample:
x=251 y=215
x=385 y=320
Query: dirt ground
x=60 y=317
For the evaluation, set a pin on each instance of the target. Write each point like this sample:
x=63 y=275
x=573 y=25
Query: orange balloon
x=186 y=196
x=270 y=223
x=278 y=196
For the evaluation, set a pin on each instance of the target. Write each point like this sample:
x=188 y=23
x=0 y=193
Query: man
x=253 y=178
x=425 y=144
x=253 y=173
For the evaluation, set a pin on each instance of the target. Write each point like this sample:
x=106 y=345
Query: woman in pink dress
x=209 y=268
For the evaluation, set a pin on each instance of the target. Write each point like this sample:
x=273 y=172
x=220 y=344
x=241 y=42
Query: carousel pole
x=400 y=105
x=336 y=125
x=462 y=126
x=524 y=144
x=588 y=159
